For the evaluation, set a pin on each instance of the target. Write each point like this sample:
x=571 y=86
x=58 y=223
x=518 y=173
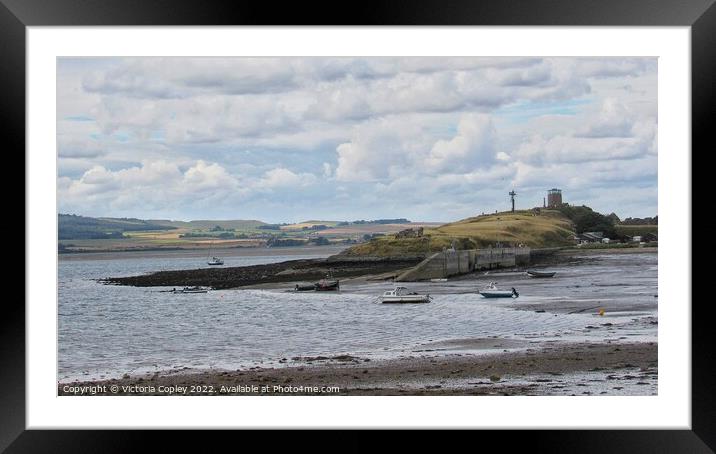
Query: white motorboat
x=402 y=295
x=215 y=261
x=491 y=291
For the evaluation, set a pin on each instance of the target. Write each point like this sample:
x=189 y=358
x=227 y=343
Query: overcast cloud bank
x=287 y=139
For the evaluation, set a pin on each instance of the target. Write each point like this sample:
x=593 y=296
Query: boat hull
x=497 y=294
x=405 y=299
x=328 y=286
x=539 y=274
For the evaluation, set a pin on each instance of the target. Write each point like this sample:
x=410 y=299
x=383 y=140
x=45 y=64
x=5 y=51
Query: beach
x=573 y=369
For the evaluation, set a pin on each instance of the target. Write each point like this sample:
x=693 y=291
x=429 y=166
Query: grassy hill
x=83 y=227
x=548 y=228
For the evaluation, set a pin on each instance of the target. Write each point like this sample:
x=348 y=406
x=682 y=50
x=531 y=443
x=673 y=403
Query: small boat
x=401 y=295
x=305 y=287
x=532 y=273
x=491 y=291
x=439 y=280
x=215 y=261
x=194 y=289
x=327 y=283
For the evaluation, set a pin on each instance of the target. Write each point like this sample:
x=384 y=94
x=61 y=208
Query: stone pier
x=451 y=263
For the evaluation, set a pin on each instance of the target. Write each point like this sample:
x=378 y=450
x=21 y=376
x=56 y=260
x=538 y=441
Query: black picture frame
x=16 y=15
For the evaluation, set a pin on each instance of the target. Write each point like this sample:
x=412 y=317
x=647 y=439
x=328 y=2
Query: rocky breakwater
x=288 y=271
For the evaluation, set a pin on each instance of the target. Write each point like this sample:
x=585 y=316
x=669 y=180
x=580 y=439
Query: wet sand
x=532 y=369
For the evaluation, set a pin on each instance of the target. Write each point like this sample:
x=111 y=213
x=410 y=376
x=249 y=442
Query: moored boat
x=215 y=261
x=194 y=289
x=328 y=283
x=532 y=273
x=401 y=295
x=491 y=291
x=325 y=284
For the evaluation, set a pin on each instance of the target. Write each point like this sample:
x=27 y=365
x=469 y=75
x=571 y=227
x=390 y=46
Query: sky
x=292 y=139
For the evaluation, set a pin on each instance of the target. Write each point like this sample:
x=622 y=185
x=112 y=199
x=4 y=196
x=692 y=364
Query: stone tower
x=554 y=198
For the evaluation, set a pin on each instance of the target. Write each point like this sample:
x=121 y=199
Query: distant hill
x=308 y=224
x=237 y=224
x=546 y=228
x=73 y=227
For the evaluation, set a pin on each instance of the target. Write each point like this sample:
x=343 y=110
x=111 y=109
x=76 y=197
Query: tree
x=587 y=220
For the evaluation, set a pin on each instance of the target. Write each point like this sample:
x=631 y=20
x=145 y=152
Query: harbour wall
x=451 y=263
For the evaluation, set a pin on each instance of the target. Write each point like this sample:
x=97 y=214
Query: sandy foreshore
x=498 y=367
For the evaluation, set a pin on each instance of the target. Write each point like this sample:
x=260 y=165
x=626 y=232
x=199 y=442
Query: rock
x=342 y=358
x=494 y=378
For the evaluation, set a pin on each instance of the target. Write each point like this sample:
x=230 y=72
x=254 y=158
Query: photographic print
x=357 y=226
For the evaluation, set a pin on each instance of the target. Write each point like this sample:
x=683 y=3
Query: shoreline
x=545 y=369
x=301 y=270
x=202 y=252
x=313 y=269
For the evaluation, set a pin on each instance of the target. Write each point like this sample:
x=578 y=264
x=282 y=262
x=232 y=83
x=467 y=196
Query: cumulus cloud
x=471 y=148
x=203 y=176
x=380 y=149
x=613 y=133
x=614 y=120
x=284 y=178
x=155 y=183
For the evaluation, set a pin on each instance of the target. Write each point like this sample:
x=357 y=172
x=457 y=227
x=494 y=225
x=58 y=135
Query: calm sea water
x=106 y=331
